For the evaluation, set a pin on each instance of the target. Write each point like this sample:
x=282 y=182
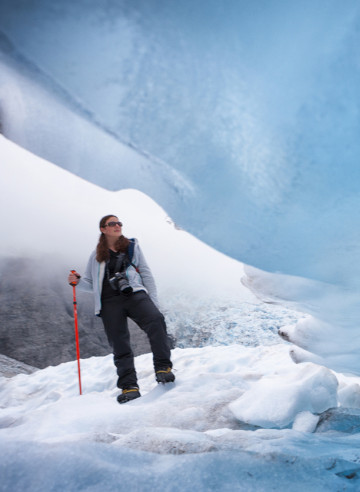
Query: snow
x=249 y=118
x=311 y=389
x=251 y=178
x=194 y=432
x=248 y=172
x=329 y=334
x=200 y=289
x=239 y=417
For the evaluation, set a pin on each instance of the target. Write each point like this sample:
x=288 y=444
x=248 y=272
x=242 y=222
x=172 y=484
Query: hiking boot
x=164 y=376
x=128 y=394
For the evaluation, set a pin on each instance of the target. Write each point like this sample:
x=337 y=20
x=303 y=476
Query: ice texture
x=248 y=139
x=189 y=432
x=259 y=120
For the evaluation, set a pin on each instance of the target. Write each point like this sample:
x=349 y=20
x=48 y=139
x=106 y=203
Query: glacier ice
x=174 y=439
x=262 y=119
x=247 y=138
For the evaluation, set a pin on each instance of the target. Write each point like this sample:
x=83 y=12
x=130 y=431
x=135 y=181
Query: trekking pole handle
x=76 y=275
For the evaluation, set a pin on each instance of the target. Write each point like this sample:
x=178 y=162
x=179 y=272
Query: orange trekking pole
x=76 y=331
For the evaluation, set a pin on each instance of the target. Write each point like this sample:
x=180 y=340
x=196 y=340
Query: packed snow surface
x=236 y=418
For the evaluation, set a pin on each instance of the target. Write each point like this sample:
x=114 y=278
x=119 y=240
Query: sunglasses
x=113 y=224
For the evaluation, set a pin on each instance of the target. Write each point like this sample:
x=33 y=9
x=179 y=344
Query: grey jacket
x=92 y=280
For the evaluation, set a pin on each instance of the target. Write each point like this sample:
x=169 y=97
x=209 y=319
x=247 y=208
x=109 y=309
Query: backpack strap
x=130 y=252
x=131 y=248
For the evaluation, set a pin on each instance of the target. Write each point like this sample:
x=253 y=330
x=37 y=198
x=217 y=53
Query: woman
x=123 y=287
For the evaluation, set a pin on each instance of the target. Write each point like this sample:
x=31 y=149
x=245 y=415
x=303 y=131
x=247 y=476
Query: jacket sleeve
x=86 y=281
x=146 y=276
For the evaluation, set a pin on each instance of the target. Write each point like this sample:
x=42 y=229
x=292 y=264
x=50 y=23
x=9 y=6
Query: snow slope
x=65 y=210
x=202 y=291
x=237 y=418
x=55 y=214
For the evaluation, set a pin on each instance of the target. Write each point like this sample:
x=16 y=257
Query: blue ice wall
x=256 y=103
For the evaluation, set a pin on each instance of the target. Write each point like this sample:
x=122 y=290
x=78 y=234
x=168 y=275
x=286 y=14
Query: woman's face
x=112 y=229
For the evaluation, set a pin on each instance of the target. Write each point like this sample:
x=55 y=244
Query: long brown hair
x=102 y=248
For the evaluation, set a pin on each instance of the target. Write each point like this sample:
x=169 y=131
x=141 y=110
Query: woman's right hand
x=73 y=278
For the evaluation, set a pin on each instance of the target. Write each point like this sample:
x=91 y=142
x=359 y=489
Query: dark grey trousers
x=140 y=308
